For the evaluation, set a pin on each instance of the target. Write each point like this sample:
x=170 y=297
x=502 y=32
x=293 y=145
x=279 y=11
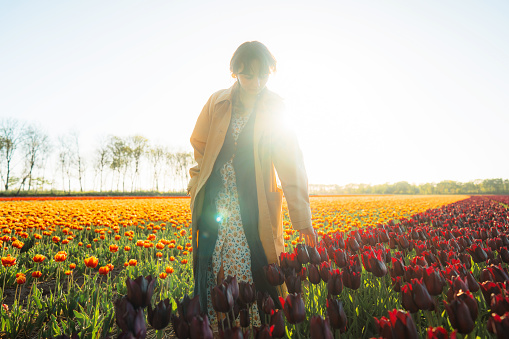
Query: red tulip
x=340 y=258
x=440 y=333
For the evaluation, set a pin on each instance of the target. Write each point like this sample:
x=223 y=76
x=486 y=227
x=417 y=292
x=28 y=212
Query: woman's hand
x=309 y=236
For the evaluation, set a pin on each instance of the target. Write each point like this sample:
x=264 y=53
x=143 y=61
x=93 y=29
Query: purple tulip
x=319 y=328
x=140 y=290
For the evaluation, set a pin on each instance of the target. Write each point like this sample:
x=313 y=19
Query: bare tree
x=66 y=160
x=121 y=155
x=138 y=145
x=34 y=143
x=156 y=156
x=80 y=164
x=102 y=159
x=10 y=137
x=183 y=162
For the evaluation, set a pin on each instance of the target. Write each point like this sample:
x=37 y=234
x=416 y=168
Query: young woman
x=240 y=141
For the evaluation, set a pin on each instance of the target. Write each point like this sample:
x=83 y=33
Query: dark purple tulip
x=377 y=264
x=140 y=290
x=324 y=256
x=488 y=288
x=504 y=254
x=233 y=333
x=222 y=299
x=319 y=328
x=351 y=279
x=302 y=253
x=200 y=328
x=335 y=283
x=499 y=304
x=340 y=258
x=384 y=327
x=477 y=253
x=314 y=256
x=499 y=325
x=314 y=274
x=352 y=243
x=277 y=324
x=403 y=325
x=293 y=283
x=398 y=268
x=336 y=314
x=407 y=299
x=473 y=285
x=274 y=274
x=159 y=317
x=458 y=283
x=233 y=285
x=126 y=315
x=303 y=274
x=247 y=293
x=421 y=296
x=180 y=326
x=498 y=273
x=459 y=316
x=244 y=318
x=403 y=242
x=434 y=281
x=267 y=303
x=262 y=332
x=191 y=308
x=294 y=309
x=325 y=271
x=396 y=284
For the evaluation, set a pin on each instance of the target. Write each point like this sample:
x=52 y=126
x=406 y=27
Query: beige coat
x=275 y=148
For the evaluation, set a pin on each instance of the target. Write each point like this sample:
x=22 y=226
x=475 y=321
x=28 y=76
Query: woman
x=239 y=139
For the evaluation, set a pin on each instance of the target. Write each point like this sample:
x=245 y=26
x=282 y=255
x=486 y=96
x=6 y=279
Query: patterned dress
x=231 y=249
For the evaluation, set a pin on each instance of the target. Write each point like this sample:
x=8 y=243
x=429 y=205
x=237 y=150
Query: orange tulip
x=169 y=269
x=126 y=264
x=104 y=270
x=91 y=262
x=38 y=258
x=68 y=272
x=127 y=248
x=184 y=261
x=72 y=266
x=163 y=275
x=133 y=262
x=89 y=245
x=111 y=267
x=113 y=248
x=159 y=254
x=18 y=244
x=55 y=239
x=172 y=258
x=159 y=246
x=36 y=274
x=60 y=256
x=20 y=278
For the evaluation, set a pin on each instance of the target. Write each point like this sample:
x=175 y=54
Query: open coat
x=275 y=149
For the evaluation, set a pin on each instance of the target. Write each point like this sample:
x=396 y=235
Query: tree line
x=30 y=161
x=486 y=186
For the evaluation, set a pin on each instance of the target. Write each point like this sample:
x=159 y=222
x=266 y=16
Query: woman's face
x=250 y=79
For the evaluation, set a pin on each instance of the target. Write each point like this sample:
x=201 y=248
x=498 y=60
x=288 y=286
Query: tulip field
x=386 y=267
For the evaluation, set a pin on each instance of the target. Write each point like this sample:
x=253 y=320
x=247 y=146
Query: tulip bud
x=140 y=290
x=274 y=274
x=335 y=282
x=277 y=324
x=200 y=328
x=319 y=328
x=336 y=314
x=159 y=317
x=293 y=307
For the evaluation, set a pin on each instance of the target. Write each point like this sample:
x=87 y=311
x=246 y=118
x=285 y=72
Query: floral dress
x=231 y=249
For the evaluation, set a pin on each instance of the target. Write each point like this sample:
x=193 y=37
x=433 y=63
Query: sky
x=377 y=91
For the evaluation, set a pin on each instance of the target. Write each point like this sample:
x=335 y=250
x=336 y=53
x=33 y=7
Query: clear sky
x=378 y=91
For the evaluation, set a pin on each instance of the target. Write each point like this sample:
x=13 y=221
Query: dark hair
x=249 y=51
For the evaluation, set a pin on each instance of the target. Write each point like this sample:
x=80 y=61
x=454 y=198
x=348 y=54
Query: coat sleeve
x=289 y=164
x=199 y=142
